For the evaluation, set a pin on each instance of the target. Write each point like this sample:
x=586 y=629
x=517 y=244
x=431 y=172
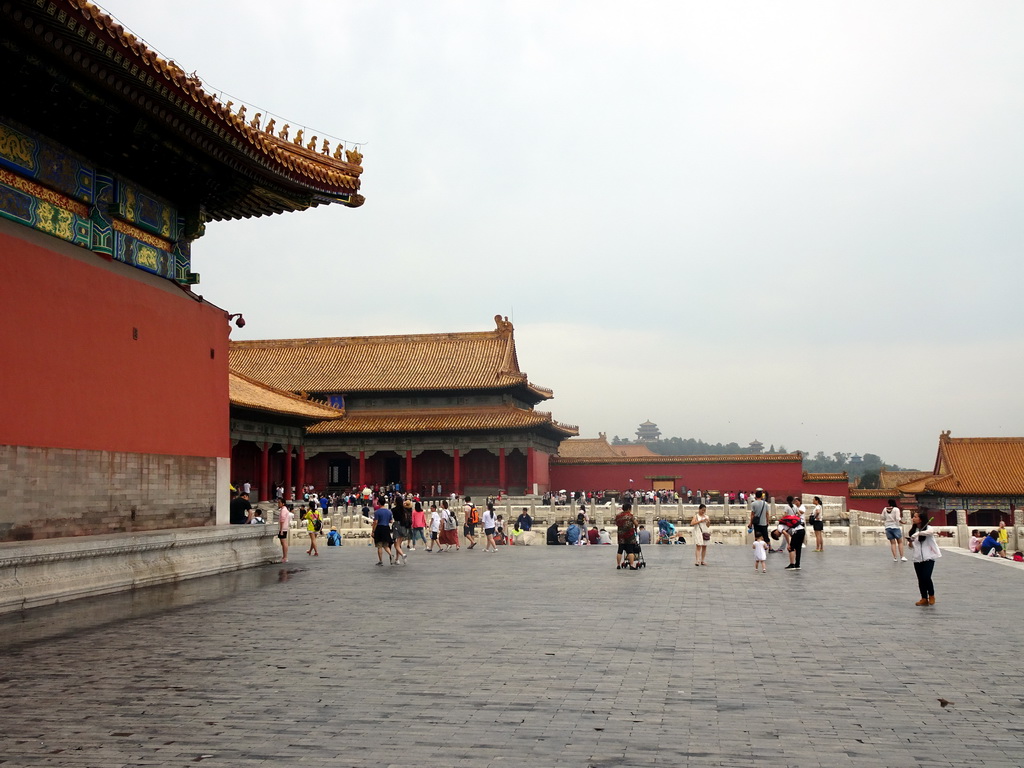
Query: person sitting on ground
x=603 y=537
x=975 y=542
x=553 y=534
x=573 y=534
x=525 y=522
x=990 y=545
x=593 y=535
x=643 y=535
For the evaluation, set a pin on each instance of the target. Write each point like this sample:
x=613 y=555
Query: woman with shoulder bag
x=701 y=534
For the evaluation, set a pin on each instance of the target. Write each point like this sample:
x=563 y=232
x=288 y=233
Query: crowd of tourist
x=399 y=520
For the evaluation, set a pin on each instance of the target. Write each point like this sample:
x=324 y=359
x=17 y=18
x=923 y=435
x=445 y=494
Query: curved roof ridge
x=312 y=163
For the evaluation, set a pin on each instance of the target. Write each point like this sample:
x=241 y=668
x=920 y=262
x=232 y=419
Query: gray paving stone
x=534 y=656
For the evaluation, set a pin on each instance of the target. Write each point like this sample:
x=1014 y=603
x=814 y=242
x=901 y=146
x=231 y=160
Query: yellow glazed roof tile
x=367 y=364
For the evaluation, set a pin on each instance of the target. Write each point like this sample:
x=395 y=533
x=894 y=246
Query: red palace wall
x=75 y=376
x=779 y=479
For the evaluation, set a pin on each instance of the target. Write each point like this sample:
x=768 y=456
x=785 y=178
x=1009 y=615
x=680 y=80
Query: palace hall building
x=114 y=400
x=425 y=411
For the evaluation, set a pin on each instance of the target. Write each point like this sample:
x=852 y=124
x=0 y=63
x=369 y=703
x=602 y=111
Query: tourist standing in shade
x=284 y=524
x=925 y=550
x=701 y=534
x=894 y=530
x=818 y=525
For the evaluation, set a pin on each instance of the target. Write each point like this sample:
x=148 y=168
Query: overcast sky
x=793 y=222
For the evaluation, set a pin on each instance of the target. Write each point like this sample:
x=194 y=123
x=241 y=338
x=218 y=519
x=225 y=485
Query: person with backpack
x=472 y=519
x=314 y=524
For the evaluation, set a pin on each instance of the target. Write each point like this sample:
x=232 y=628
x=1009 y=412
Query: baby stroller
x=638 y=560
x=667 y=533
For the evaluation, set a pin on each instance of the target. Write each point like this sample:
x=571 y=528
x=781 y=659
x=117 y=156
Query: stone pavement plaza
x=533 y=656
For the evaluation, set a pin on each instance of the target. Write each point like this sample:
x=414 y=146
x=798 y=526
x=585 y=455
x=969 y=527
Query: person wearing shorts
x=381 y=531
x=490 y=523
x=284 y=520
x=435 y=528
x=628 y=546
x=468 y=528
x=894 y=530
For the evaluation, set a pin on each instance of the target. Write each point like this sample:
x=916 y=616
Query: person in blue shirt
x=525 y=521
x=572 y=535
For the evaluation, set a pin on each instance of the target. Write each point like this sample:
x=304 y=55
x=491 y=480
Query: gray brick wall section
x=51 y=492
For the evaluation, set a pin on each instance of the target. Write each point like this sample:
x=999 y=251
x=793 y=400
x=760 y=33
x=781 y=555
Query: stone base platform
x=37 y=573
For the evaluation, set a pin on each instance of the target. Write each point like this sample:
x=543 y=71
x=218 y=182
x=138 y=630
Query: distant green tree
x=869 y=479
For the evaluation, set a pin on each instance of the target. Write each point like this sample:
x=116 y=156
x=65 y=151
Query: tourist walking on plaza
x=400 y=528
x=626 y=524
x=470 y=518
x=760 y=553
x=818 y=525
x=490 y=524
x=284 y=524
x=381 y=530
x=925 y=550
x=759 y=515
x=435 y=528
x=701 y=534
x=450 y=526
x=419 y=524
x=894 y=530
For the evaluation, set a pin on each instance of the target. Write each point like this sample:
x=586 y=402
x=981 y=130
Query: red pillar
x=288 y=473
x=301 y=460
x=529 y=471
x=501 y=470
x=457 y=480
x=362 y=469
x=264 y=481
x=409 y=487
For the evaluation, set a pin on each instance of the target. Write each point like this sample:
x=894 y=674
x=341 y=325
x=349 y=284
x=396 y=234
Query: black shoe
x=788 y=567
x=796 y=567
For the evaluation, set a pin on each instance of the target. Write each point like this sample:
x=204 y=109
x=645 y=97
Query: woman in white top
x=490 y=523
x=284 y=521
x=818 y=524
x=925 y=550
x=435 y=527
x=893 y=530
x=701 y=534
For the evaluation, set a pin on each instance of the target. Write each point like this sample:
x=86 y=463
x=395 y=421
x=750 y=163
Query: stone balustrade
x=35 y=573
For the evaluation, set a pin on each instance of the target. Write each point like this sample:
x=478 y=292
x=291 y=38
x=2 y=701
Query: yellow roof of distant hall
x=974 y=466
x=246 y=393
x=424 y=362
